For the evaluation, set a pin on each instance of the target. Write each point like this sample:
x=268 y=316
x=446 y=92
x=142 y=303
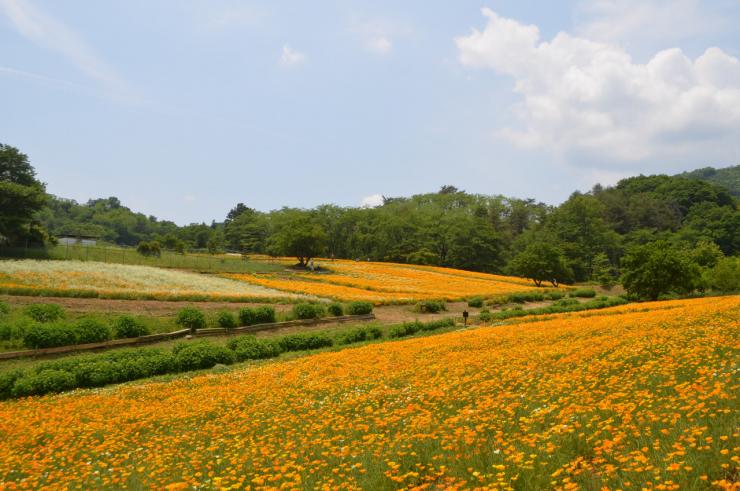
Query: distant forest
x=585 y=237
x=450 y=227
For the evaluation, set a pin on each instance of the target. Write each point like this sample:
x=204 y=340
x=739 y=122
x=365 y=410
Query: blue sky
x=184 y=108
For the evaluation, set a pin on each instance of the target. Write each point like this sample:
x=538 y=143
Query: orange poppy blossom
x=634 y=397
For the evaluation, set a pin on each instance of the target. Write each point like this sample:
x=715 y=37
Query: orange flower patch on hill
x=614 y=400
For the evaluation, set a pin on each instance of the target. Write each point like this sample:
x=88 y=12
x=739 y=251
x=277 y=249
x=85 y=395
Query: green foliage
x=554 y=295
x=727 y=177
x=259 y=315
x=657 y=268
x=359 y=308
x=603 y=271
x=308 y=310
x=200 y=354
x=303 y=342
x=225 y=319
x=251 y=348
x=49 y=335
x=43 y=382
x=44 y=312
x=522 y=297
x=297 y=234
x=485 y=315
x=430 y=306
x=476 y=302
x=335 y=309
x=127 y=326
x=91 y=330
x=149 y=248
x=725 y=276
x=22 y=196
x=583 y=293
x=561 y=306
x=360 y=334
x=411 y=328
x=4 y=308
x=542 y=262
x=191 y=318
x=706 y=254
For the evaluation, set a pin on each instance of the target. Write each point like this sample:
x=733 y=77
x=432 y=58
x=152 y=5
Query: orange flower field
x=641 y=396
x=389 y=282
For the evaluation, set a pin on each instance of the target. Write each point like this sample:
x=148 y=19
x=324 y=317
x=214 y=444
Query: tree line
x=587 y=237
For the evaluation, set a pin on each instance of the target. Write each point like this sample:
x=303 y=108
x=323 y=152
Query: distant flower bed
x=106 y=280
x=389 y=282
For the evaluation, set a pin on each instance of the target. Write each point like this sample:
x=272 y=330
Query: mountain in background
x=728 y=177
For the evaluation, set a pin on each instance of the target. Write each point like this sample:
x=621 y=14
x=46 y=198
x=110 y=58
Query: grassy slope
x=636 y=394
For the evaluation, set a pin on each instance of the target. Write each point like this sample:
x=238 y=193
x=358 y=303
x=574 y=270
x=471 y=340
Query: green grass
x=122 y=255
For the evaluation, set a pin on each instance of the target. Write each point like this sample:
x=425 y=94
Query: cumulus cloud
x=290 y=57
x=588 y=100
x=372 y=201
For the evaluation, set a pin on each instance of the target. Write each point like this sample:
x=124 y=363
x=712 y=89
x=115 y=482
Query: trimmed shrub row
x=258 y=315
x=124 y=365
x=410 y=328
x=564 y=305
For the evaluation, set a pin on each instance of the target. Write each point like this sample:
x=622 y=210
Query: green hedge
x=335 y=309
x=259 y=315
x=251 y=348
x=201 y=354
x=359 y=308
x=44 y=312
x=359 y=335
x=410 y=328
x=430 y=306
x=127 y=326
x=308 y=310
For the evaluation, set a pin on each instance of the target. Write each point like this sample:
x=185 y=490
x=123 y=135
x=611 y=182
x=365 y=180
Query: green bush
x=410 y=328
x=476 y=302
x=49 y=335
x=553 y=295
x=251 y=348
x=90 y=330
x=335 y=309
x=191 y=318
x=526 y=297
x=43 y=382
x=264 y=315
x=304 y=342
x=127 y=326
x=4 y=308
x=200 y=354
x=485 y=316
x=260 y=315
x=360 y=334
x=583 y=293
x=7 y=380
x=430 y=306
x=225 y=319
x=564 y=302
x=359 y=308
x=307 y=310
x=725 y=275
x=44 y=312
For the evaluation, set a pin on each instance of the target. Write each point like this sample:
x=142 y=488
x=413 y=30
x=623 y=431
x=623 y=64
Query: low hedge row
x=130 y=364
x=410 y=328
x=562 y=306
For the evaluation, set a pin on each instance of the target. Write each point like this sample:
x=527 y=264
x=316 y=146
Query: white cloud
x=46 y=31
x=290 y=57
x=380 y=45
x=589 y=102
x=372 y=201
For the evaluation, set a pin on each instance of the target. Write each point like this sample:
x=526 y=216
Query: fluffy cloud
x=290 y=57
x=589 y=100
x=380 y=45
x=372 y=201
